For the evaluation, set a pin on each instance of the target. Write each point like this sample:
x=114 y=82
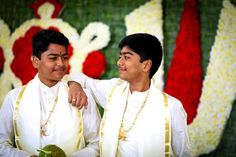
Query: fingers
x=70 y=98
x=78 y=100
x=77 y=96
x=82 y=101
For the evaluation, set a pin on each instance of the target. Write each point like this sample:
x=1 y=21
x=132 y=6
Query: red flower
x=58 y=7
x=184 y=79
x=22 y=50
x=2 y=59
x=94 y=64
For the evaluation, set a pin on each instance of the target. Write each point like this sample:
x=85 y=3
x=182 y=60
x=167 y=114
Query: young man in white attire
x=139 y=119
x=38 y=114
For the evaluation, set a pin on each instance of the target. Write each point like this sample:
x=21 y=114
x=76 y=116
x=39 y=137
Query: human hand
x=77 y=96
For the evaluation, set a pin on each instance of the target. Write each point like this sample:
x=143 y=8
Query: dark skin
x=137 y=75
x=76 y=92
x=52 y=67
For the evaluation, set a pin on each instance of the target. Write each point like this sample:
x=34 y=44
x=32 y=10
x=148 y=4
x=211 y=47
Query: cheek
x=47 y=66
x=66 y=63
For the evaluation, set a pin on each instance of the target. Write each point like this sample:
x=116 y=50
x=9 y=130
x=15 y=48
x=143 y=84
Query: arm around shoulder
x=98 y=88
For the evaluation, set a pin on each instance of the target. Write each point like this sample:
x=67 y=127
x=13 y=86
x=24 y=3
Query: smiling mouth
x=59 y=70
x=122 y=69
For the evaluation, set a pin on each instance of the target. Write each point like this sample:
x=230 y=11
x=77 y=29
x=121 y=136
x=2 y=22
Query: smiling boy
x=38 y=114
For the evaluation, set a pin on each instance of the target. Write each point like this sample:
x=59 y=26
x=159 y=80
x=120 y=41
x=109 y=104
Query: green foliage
x=51 y=151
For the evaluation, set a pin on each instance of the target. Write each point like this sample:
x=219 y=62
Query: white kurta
x=142 y=136
x=63 y=124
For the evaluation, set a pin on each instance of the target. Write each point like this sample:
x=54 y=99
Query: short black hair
x=43 y=38
x=147 y=46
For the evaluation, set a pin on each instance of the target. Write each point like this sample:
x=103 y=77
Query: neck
x=48 y=82
x=140 y=86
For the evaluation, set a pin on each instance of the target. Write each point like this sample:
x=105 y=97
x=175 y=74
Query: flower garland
x=184 y=79
x=219 y=86
x=16 y=67
x=39 y=10
x=4 y=35
x=94 y=58
x=148 y=19
x=23 y=34
x=20 y=49
x=6 y=75
x=2 y=60
x=94 y=37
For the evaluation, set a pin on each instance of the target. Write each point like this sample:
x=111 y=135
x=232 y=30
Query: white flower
x=6 y=76
x=94 y=37
x=219 y=86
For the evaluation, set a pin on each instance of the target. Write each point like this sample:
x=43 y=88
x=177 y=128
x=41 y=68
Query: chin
x=122 y=77
x=59 y=77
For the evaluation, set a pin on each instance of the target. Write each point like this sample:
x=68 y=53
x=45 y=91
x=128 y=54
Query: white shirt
x=91 y=122
x=179 y=140
x=129 y=146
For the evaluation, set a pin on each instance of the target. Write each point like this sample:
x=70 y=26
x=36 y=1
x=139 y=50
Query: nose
x=60 y=61
x=119 y=61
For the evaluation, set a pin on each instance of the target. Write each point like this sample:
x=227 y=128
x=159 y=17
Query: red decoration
x=2 y=59
x=184 y=79
x=22 y=50
x=94 y=64
x=58 y=7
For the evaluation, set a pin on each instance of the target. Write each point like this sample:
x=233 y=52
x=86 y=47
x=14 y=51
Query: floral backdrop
x=208 y=99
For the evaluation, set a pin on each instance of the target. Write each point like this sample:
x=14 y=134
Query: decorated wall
x=199 y=43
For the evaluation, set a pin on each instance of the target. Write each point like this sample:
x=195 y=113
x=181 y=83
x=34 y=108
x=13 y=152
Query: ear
x=35 y=61
x=147 y=64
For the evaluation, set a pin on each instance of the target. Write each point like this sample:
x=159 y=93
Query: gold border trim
x=167 y=127
x=15 y=115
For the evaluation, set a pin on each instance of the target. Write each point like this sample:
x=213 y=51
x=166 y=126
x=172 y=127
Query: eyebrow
x=124 y=53
x=55 y=54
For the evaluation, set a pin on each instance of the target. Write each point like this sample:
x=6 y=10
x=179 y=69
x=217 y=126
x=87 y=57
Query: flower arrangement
x=93 y=38
x=94 y=58
x=23 y=34
x=6 y=75
x=96 y=34
x=219 y=86
x=184 y=79
x=2 y=60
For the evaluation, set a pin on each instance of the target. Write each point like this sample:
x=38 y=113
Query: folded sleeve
x=98 y=88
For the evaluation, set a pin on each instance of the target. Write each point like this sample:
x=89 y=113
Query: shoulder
x=14 y=92
x=176 y=107
x=10 y=99
x=173 y=101
x=117 y=82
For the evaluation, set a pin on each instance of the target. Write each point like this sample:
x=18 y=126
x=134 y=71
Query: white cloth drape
x=64 y=126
